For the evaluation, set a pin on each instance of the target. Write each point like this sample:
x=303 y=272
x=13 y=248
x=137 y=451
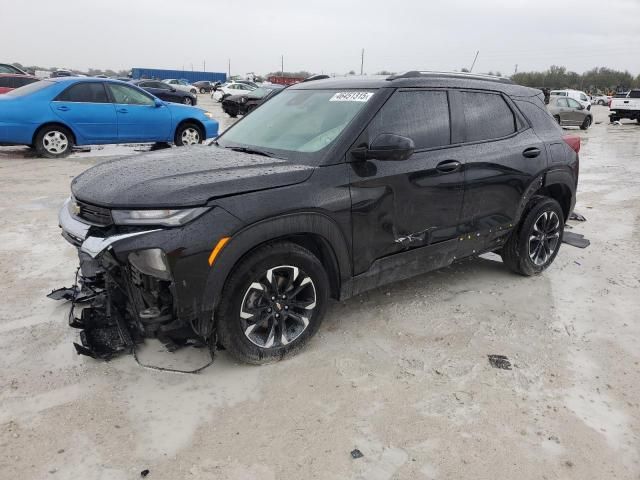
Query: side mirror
x=386 y=146
x=159 y=103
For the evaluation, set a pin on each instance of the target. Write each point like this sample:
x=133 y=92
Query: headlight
x=169 y=218
x=207 y=114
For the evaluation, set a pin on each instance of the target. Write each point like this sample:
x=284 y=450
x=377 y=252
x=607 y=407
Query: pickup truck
x=626 y=107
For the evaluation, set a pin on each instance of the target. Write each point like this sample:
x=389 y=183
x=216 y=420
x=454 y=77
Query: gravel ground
x=400 y=373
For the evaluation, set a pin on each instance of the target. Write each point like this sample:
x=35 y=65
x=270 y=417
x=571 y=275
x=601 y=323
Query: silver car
x=569 y=113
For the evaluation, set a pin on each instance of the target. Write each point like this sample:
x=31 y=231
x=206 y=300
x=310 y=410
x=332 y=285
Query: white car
x=625 y=107
x=600 y=99
x=181 y=85
x=581 y=97
x=231 y=88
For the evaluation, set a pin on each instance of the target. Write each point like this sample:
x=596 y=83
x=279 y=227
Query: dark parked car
x=61 y=73
x=330 y=189
x=7 y=68
x=166 y=92
x=204 y=86
x=11 y=81
x=235 y=105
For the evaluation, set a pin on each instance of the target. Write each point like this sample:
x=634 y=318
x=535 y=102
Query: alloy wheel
x=190 y=136
x=187 y=101
x=544 y=237
x=277 y=307
x=55 y=142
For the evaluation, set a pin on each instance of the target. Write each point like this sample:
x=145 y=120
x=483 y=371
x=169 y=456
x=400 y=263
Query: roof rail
x=427 y=74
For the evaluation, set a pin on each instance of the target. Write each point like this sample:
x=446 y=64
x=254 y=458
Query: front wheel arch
x=311 y=230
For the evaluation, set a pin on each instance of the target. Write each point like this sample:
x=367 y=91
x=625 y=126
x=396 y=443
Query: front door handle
x=532 y=152
x=63 y=108
x=123 y=110
x=448 y=166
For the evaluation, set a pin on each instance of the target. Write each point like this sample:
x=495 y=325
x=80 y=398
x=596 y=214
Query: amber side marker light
x=216 y=250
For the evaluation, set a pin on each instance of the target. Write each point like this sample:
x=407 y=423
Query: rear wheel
x=188 y=134
x=601 y=102
x=534 y=244
x=557 y=119
x=272 y=303
x=53 y=142
x=586 y=124
x=202 y=90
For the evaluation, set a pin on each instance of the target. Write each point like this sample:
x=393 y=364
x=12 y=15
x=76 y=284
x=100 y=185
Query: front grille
x=93 y=214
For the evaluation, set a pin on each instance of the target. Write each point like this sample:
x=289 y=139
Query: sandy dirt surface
x=400 y=373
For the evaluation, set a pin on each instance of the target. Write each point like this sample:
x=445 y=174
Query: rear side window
x=487 y=116
x=90 y=92
x=421 y=115
x=634 y=94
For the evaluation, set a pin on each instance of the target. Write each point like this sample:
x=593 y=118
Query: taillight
x=573 y=141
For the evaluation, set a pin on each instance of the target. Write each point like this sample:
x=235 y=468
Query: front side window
x=125 y=94
x=563 y=103
x=89 y=92
x=573 y=103
x=420 y=115
x=487 y=116
x=583 y=97
x=297 y=121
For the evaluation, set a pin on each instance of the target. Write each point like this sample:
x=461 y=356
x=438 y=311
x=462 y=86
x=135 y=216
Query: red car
x=10 y=81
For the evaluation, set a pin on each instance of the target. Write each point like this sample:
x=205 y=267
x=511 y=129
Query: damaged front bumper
x=135 y=283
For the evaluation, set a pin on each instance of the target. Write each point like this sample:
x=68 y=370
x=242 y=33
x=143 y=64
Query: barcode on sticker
x=351 y=97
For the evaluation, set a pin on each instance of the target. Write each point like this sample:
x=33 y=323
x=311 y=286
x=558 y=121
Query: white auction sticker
x=351 y=97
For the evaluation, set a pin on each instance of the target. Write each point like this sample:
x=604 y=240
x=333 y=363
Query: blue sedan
x=54 y=115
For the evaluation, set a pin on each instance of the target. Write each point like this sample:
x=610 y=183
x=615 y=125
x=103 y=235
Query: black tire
x=187 y=101
x=232 y=112
x=182 y=140
x=557 y=119
x=586 y=124
x=194 y=91
x=202 y=90
x=601 y=102
x=53 y=141
x=516 y=253
x=240 y=291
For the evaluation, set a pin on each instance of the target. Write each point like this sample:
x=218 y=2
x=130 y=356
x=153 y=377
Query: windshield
x=29 y=89
x=260 y=92
x=297 y=120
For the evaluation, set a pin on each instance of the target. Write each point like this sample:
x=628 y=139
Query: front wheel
x=53 y=142
x=202 y=90
x=187 y=101
x=535 y=242
x=188 y=134
x=601 y=102
x=557 y=119
x=272 y=303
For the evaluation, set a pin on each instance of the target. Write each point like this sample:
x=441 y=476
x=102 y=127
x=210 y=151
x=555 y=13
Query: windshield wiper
x=253 y=151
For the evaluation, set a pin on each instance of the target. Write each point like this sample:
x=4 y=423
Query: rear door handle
x=448 y=166
x=123 y=110
x=532 y=152
x=63 y=108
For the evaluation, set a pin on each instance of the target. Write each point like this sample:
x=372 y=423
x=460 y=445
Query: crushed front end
x=135 y=282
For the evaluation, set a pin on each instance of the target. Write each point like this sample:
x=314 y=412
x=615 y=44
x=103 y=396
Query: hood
x=235 y=98
x=182 y=177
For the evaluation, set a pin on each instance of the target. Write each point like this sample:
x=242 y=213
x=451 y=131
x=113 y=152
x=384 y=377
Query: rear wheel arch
x=559 y=192
x=54 y=124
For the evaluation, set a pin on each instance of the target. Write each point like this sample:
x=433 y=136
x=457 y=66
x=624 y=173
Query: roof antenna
x=474 y=62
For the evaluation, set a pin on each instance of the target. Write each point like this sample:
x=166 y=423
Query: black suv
x=331 y=188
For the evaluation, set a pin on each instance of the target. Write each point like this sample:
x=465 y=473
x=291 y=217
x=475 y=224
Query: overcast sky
x=322 y=36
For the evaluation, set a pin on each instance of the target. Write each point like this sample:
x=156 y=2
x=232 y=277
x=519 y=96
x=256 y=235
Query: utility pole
x=516 y=69
x=474 y=61
x=282 y=65
x=362 y=62
x=229 y=68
